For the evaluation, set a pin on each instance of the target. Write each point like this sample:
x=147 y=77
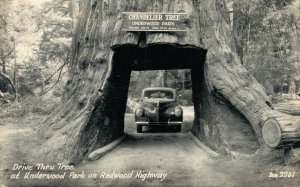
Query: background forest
x=35 y=40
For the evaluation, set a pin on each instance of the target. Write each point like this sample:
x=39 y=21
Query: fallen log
x=289 y=108
x=282 y=132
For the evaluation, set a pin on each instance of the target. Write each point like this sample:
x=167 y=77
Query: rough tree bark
x=292 y=108
x=238 y=28
x=92 y=114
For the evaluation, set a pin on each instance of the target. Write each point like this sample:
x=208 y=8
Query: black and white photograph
x=150 y=93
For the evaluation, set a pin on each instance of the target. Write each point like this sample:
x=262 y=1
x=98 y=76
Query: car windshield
x=158 y=94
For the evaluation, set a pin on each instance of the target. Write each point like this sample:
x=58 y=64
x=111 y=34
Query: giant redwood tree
x=231 y=107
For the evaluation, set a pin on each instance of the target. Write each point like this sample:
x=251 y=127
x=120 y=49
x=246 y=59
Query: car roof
x=159 y=88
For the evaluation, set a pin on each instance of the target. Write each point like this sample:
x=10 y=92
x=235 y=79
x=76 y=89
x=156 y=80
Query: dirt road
x=147 y=159
x=180 y=159
x=174 y=155
x=152 y=158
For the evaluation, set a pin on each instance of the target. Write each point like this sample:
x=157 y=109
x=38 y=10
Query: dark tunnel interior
x=153 y=57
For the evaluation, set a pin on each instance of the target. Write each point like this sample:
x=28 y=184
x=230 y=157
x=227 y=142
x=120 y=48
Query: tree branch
x=8 y=54
x=57 y=81
x=59 y=69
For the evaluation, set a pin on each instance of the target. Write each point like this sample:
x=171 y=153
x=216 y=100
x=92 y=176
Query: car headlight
x=178 y=111
x=139 y=112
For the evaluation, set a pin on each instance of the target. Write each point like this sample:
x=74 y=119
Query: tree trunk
x=164 y=78
x=227 y=99
x=238 y=29
x=5 y=82
x=183 y=79
x=3 y=66
x=297 y=87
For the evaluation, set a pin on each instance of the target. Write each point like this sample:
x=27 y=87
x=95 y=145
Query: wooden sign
x=145 y=21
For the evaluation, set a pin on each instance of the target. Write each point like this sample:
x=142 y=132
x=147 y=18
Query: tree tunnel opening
x=210 y=122
x=128 y=59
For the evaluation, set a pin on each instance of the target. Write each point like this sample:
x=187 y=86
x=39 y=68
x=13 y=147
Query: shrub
x=186 y=97
x=36 y=104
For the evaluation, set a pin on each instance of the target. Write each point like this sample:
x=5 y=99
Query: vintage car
x=158 y=106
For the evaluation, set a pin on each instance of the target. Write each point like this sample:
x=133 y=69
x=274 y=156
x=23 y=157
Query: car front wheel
x=177 y=128
x=139 y=128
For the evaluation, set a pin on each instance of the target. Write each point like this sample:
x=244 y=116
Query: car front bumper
x=147 y=123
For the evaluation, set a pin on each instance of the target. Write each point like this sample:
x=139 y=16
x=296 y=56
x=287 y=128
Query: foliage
x=6 y=41
x=35 y=105
x=35 y=41
x=56 y=26
x=186 y=97
x=140 y=80
x=53 y=51
x=267 y=41
x=42 y=37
